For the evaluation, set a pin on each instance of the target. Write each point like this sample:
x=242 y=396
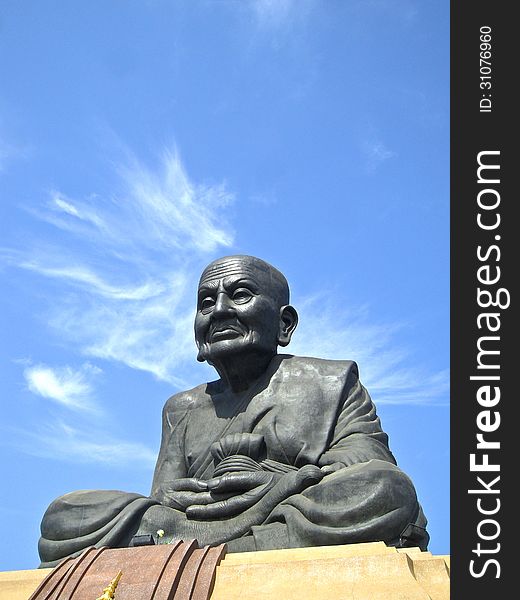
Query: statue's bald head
x=243 y=311
x=271 y=279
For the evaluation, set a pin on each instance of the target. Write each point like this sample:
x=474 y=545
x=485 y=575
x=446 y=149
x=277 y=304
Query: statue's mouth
x=224 y=332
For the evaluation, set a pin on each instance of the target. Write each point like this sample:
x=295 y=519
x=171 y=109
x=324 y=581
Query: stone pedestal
x=371 y=571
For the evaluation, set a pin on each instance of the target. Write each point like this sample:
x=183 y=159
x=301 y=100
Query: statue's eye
x=206 y=304
x=242 y=295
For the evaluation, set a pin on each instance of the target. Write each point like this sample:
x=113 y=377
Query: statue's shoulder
x=188 y=399
x=321 y=367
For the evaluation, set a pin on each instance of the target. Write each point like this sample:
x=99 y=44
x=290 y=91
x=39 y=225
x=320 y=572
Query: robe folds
x=310 y=421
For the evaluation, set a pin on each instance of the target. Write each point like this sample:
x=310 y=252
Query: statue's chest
x=294 y=434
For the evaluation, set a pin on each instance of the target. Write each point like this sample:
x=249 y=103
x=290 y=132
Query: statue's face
x=236 y=311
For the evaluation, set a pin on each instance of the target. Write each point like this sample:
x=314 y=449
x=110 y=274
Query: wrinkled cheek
x=250 y=337
x=200 y=334
x=203 y=351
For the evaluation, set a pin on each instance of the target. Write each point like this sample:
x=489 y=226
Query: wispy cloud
x=50 y=440
x=90 y=281
x=155 y=211
x=131 y=262
x=375 y=153
x=148 y=323
x=174 y=211
x=70 y=388
x=61 y=204
x=328 y=331
x=153 y=335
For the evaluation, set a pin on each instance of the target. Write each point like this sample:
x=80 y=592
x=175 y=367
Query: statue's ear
x=288 y=322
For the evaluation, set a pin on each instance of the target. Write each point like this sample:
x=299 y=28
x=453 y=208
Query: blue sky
x=139 y=140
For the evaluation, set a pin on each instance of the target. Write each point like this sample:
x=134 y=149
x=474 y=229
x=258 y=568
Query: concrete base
x=371 y=571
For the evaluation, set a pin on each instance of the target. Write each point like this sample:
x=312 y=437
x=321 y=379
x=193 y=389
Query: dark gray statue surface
x=281 y=451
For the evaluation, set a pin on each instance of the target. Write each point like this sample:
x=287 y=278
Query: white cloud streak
x=328 y=331
x=67 y=387
x=93 y=283
x=156 y=211
x=51 y=441
x=172 y=210
x=132 y=264
x=376 y=153
x=62 y=204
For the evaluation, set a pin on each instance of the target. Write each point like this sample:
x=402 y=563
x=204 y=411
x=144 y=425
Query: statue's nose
x=223 y=305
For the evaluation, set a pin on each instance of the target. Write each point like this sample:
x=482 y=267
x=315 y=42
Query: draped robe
x=301 y=414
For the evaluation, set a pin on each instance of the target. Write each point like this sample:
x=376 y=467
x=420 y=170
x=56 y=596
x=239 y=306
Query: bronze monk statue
x=281 y=451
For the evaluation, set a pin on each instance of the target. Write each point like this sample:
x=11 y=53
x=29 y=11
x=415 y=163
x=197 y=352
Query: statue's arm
x=357 y=436
x=171 y=463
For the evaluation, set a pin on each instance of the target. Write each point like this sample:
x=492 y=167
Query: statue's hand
x=258 y=494
x=182 y=493
x=233 y=493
